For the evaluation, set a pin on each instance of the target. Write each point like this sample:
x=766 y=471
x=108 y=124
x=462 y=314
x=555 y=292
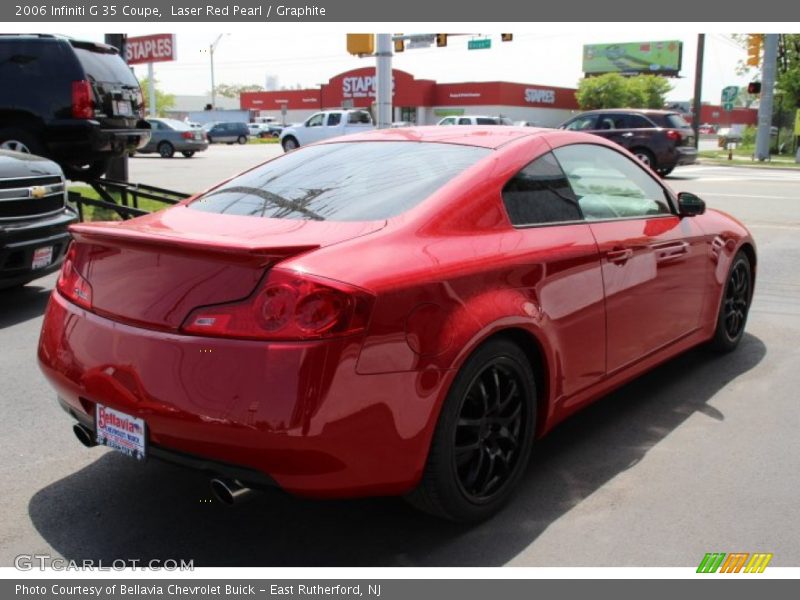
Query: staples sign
x=159 y=47
x=540 y=96
x=361 y=87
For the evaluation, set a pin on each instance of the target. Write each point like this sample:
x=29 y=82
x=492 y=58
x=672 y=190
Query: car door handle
x=619 y=256
x=628 y=134
x=671 y=250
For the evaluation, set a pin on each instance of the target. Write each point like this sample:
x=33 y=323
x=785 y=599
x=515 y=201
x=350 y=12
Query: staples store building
x=420 y=101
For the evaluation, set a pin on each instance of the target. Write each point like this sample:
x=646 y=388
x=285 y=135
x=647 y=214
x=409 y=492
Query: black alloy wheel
x=736 y=299
x=488 y=431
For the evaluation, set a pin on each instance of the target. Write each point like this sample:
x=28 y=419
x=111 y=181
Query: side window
x=155 y=125
x=360 y=117
x=465 y=121
x=334 y=119
x=606 y=122
x=582 y=123
x=637 y=122
x=609 y=185
x=316 y=120
x=487 y=121
x=540 y=193
x=448 y=121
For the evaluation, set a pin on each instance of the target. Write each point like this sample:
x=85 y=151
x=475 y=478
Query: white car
x=324 y=125
x=474 y=120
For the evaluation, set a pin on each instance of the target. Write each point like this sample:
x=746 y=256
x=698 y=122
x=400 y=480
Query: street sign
x=729 y=94
x=479 y=44
x=727 y=106
x=159 y=47
x=424 y=40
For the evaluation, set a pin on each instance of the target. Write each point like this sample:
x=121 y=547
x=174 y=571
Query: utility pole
x=383 y=76
x=211 y=49
x=768 y=73
x=151 y=78
x=698 y=88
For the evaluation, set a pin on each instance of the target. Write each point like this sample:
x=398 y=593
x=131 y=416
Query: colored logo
x=37 y=192
x=735 y=562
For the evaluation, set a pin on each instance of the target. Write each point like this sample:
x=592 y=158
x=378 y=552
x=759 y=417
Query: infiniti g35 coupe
x=399 y=312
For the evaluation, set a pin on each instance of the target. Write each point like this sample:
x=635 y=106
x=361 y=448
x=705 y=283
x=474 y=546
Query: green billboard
x=658 y=58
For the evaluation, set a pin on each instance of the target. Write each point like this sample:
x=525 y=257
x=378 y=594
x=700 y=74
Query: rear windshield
x=357 y=181
x=176 y=125
x=105 y=67
x=677 y=121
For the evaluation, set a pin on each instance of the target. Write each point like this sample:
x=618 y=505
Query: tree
x=788 y=79
x=613 y=90
x=233 y=91
x=164 y=101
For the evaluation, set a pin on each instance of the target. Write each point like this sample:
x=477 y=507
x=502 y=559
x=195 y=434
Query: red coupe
x=399 y=312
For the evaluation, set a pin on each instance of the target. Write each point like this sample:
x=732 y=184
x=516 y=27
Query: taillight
x=70 y=283
x=140 y=108
x=288 y=306
x=82 y=101
x=187 y=135
x=673 y=135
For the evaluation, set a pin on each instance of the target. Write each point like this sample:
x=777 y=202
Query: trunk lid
x=154 y=270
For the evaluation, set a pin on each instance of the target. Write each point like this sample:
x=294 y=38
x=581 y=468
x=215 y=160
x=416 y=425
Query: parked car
x=324 y=125
x=475 y=120
x=168 y=136
x=525 y=124
x=270 y=334
x=227 y=133
x=72 y=101
x=264 y=130
x=33 y=218
x=661 y=139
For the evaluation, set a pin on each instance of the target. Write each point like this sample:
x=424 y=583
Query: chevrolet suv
x=661 y=139
x=74 y=102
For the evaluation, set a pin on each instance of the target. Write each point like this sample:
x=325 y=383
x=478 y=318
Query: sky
x=308 y=54
x=536 y=57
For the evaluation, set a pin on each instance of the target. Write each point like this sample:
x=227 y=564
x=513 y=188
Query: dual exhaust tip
x=228 y=491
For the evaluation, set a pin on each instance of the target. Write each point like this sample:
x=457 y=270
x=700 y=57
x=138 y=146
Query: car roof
x=484 y=136
x=641 y=111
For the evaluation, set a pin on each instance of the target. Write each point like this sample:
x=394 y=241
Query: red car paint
x=354 y=415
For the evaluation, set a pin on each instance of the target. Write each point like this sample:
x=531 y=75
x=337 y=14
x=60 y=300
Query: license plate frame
x=42 y=257
x=123 y=108
x=121 y=431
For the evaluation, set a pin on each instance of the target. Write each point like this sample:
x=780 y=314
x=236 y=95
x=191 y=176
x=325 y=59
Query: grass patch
x=744 y=157
x=269 y=140
x=101 y=213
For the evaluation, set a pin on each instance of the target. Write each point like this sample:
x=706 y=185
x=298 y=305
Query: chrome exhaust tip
x=230 y=491
x=85 y=435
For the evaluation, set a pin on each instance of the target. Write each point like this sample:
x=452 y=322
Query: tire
x=166 y=150
x=483 y=439
x=242 y=139
x=20 y=140
x=289 y=143
x=664 y=171
x=188 y=153
x=734 y=306
x=208 y=138
x=87 y=171
x=646 y=157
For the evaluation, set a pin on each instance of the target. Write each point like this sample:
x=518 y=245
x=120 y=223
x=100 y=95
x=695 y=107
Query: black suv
x=661 y=139
x=228 y=132
x=75 y=102
x=33 y=218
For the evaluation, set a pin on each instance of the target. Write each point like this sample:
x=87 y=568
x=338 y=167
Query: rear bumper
x=296 y=413
x=86 y=140
x=686 y=155
x=19 y=240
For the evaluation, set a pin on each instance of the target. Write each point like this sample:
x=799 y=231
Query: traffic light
x=754 y=41
x=506 y=37
x=361 y=43
x=754 y=87
x=441 y=40
x=399 y=45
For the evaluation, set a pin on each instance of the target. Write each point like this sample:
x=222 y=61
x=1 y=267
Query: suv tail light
x=288 y=306
x=70 y=283
x=673 y=135
x=82 y=100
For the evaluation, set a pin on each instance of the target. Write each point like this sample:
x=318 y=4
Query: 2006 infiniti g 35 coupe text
x=395 y=312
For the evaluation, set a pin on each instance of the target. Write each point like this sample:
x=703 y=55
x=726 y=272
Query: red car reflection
x=398 y=312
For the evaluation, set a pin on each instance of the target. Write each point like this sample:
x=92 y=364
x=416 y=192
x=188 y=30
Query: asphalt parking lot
x=701 y=455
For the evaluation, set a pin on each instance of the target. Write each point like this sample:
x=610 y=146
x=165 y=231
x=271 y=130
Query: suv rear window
x=677 y=121
x=356 y=181
x=105 y=66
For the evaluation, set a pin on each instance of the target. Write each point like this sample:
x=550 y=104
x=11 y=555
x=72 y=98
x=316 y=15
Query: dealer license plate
x=42 y=257
x=120 y=431
x=122 y=107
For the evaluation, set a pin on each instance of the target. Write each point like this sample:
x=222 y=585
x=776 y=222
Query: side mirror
x=690 y=205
